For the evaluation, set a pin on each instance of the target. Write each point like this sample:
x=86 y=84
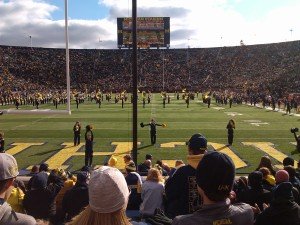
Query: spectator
x=288 y=161
x=215 y=178
x=39 y=202
x=282 y=210
x=268 y=181
x=8 y=172
x=265 y=161
x=108 y=196
x=256 y=194
x=283 y=176
x=181 y=190
x=144 y=167
x=134 y=183
x=292 y=176
x=112 y=162
x=77 y=197
x=178 y=164
x=152 y=193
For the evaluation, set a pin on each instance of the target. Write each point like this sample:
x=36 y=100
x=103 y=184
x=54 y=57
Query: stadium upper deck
x=268 y=67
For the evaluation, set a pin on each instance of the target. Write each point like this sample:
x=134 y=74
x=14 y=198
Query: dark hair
x=288 y=161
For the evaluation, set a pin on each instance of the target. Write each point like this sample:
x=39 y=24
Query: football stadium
x=146 y=133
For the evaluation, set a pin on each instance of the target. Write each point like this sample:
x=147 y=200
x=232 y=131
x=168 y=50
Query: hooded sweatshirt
x=181 y=189
x=9 y=217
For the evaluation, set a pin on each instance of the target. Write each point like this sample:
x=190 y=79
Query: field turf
x=114 y=124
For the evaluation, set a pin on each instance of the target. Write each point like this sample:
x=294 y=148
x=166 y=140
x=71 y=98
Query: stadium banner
x=151 y=32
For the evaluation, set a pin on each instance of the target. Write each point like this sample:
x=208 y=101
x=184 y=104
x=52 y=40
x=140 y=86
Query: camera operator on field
x=297 y=138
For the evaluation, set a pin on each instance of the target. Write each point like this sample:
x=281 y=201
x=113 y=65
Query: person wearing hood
x=181 y=189
x=8 y=172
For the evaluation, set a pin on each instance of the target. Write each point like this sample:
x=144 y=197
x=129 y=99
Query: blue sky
x=80 y=9
x=194 y=23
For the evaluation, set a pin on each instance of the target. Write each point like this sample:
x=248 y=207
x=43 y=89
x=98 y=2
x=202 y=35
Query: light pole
x=30 y=41
x=291 y=30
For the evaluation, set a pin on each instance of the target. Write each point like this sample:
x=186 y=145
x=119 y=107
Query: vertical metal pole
x=67 y=58
x=134 y=81
x=163 y=70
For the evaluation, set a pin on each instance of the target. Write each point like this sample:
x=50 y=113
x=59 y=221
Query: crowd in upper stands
x=269 y=67
x=203 y=191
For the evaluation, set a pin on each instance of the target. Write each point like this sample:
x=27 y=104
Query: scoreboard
x=151 y=32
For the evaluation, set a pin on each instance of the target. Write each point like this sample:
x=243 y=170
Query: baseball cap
x=8 y=166
x=215 y=174
x=39 y=181
x=197 y=141
x=82 y=176
x=108 y=191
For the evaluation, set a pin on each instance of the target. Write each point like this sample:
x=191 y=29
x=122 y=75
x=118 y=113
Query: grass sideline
x=112 y=123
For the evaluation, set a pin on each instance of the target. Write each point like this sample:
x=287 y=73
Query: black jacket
x=75 y=200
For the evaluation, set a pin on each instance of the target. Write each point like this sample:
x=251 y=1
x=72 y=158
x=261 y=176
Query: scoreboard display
x=151 y=32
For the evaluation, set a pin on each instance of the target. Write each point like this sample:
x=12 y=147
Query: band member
x=89 y=138
x=144 y=102
x=77 y=102
x=153 y=125
x=76 y=130
x=149 y=99
x=187 y=101
x=230 y=101
x=230 y=130
x=169 y=99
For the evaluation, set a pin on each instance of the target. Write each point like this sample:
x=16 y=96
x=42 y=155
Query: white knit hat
x=8 y=166
x=108 y=191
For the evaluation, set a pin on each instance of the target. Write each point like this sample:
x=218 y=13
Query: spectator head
x=149 y=157
x=44 y=167
x=148 y=163
x=108 y=190
x=154 y=175
x=265 y=171
x=127 y=158
x=283 y=191
x=282 y=176
x=8 y=172
x=291 y=170
x=255 y=180
x=82 y=177
x=108 y=197
x=197 y=144
x=35 y=169
x=130 y=167
x=39 y=181
x=215 y=176
x=179 y=163
x=265 y=161
x=288 y=161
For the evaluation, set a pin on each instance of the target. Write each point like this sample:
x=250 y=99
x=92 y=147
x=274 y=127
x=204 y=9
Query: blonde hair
x=90 y=217
x=154 y=175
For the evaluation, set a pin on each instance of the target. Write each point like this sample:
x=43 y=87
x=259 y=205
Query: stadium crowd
x=206 y=190
x=269 y=69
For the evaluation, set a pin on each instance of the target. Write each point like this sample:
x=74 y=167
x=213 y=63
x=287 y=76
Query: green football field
x=258 y=131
